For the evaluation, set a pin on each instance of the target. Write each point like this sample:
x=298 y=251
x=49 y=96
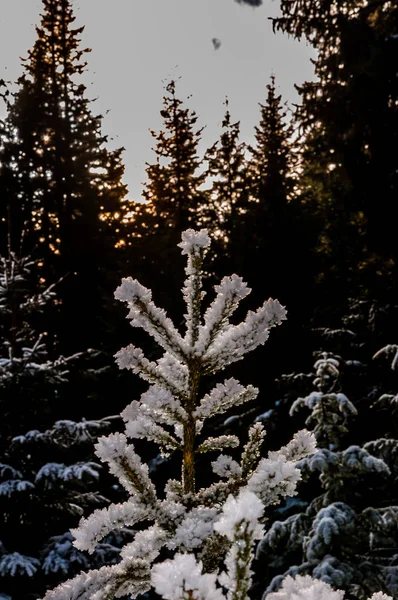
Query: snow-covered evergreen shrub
x=334 y=538
x=304 y=587
x=47 y=482
x=188 y=542
x=49 y=479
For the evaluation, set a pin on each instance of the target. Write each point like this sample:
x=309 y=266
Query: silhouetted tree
x=61 y=189
x=175 y=200
x=275 y=220
x=229 y=193
x=349 y=116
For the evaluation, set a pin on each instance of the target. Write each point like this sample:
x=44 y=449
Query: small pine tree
x=189 y=524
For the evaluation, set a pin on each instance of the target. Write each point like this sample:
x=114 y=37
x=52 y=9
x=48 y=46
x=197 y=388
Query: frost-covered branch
x=229 y=294
x=223 y=397
x=238 y=340
x=134 y=359
x=304 y=587
x=194 y=245
x=101 y=522
x=145 y=314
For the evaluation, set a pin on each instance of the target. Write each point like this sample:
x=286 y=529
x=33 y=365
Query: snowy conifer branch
x=218 y=443
x=164 y=407
x=146 y=544
x=251 y=451
x=239 y=523
x=238 y=340
x=304 y=587
x=103 y=521
x=133 y=358
x=141 y=424
x=182 y=579
x=131 y=576
x=229 y=294
x=303 y=444
x=223 y=397
x=127 y=466
x=194 y=245
x=277 y=476
x=145 y=314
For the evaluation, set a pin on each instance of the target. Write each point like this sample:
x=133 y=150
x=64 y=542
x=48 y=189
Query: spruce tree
x=349 y=116
x=192 y=542
x=277 y=230
x=173 y=182
x=46 y=478
x=31 y=381
x=342 y=530
x=188 y=522
x=61 y=189
x=272 y=158
x=173 y=193
x=275 y=222
x=229 y=193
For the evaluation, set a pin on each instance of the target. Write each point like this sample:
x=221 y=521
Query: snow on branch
x=194 y=244
x=98 y=525
x=130 y=576
x=304 y=587
x=182 y=578
x=219 y=443
x=223 y=397
x=251 y=451
x=238 y=340
x=145 y=314
x=229 y=294
x=277 y=476
x=141 y=424
x=126 y=465
x=133 y=358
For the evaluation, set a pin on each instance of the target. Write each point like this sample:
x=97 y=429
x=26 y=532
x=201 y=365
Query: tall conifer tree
x=61 y=189
x=272 y=157
x=229 y=192
x=175 y=200
x=273 y=224
x=350 y=117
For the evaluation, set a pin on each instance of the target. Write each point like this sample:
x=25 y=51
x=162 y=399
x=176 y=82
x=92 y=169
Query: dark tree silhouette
x=229 y=195
x=173 y=191
x=349 y=116
x=61 y=189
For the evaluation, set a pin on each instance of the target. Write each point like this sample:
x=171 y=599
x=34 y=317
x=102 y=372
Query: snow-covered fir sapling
x=200 y=543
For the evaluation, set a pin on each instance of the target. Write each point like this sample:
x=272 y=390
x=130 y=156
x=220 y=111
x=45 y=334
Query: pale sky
x=137 y=45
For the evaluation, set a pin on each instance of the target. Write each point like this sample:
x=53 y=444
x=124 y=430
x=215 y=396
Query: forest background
x=305 y=214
